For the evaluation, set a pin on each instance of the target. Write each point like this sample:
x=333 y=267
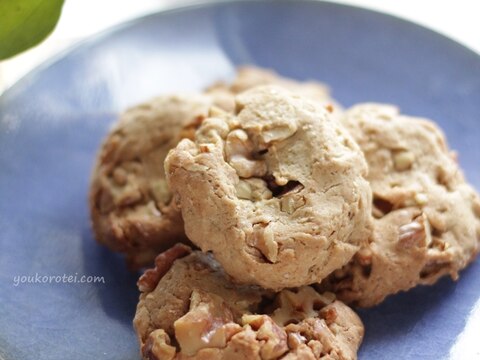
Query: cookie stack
x=265 y=208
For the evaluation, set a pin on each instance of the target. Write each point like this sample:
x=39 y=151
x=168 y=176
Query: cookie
x=135 y=216
x=130 y=203
x=276 y=191
x=190 y=309
x=427 y=218
x=248 y=77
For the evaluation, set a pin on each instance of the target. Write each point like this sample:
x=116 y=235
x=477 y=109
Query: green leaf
x=25 y=23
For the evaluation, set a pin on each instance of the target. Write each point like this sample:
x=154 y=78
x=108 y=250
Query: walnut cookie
x=190 y=309
x=129 y=198
x=427 y=217
x=276 y=191
x=130 y=203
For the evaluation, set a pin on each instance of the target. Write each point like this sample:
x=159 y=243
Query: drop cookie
x=276 y=190
x=190 y=309
x=427 y=218
x=136 y=218
x=130 y=203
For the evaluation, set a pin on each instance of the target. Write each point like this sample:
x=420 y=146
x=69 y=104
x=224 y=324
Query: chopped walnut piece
x=208 y=324
x=196 y=167
x=128 y=194
x=301 y=305
x=329 y=314
x=207 y=316
x=317 y=348
x=163 y=262
x=212 y=131
x=253 y=189
x=215 y=111
x=239 y=152
x=403 y=160
x=265 y=242
x=417 y=233
x=439 y=244
x=157 y=346
x=289 y=204
x=275 y=337
x=364 y=256
x=206 y=148
x=314 y=329
x=295 y=339
x=244 y=191
x=421 y=199
x=278 y=132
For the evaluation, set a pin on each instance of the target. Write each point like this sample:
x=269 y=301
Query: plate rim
x=97 y=37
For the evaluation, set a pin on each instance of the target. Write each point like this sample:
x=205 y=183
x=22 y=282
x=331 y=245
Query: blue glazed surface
x=52 y=122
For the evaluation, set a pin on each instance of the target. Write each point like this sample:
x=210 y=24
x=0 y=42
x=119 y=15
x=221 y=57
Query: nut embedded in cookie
x=194 y=311
x=427 y=220
x=280 y=197
x=130 y=202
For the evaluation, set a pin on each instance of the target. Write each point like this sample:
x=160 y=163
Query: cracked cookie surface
x=130 y=203
x=276 y=191
x=190 y=309
x=427 y=218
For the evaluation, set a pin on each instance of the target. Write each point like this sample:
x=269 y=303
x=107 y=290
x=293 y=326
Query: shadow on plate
x=119 y=295
x=410 y=314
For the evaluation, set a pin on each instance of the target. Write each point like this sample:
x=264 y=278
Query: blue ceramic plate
x=52 y=122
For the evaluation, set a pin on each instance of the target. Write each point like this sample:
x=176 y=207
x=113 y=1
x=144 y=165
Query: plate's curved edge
x=194 y=4
x=102 y=34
